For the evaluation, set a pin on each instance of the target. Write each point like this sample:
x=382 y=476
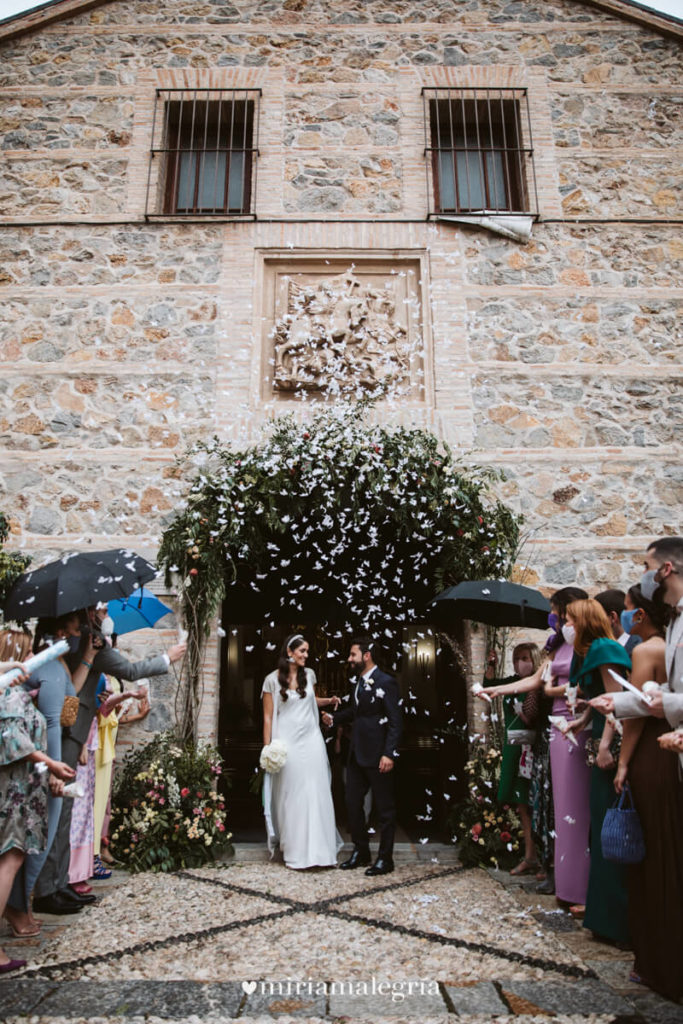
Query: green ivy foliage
x=11 y=564
x=367 y=520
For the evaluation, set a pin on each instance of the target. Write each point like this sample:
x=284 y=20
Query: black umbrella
x=495 y=602
x=76 y=581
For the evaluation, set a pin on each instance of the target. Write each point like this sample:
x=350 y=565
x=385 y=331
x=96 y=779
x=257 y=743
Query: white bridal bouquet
x=273 y=757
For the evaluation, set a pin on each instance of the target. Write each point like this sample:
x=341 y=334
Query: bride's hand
x=327 y=720
x=334 y=702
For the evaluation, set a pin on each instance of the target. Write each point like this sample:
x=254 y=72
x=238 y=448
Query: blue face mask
x=627 y=619
x=554 y=621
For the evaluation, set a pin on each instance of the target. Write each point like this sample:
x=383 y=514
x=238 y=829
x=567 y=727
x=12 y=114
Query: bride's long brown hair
x=291 y=644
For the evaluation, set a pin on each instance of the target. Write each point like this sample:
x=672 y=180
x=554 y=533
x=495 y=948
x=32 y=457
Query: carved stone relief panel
x=343 y=327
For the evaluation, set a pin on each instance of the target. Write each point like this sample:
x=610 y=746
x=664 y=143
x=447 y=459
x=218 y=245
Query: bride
x=298 y=799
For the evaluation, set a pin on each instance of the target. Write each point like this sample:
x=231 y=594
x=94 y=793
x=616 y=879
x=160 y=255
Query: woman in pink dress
x=82 y=832
x=570 y=774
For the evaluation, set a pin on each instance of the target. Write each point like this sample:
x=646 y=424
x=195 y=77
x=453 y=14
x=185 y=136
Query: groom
x=375 y=715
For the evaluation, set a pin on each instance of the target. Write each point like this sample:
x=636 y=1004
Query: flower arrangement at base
x=166 y=812
x=487 y=833
x=273 y=756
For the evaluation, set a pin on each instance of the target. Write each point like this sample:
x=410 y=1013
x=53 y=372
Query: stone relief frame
x=357 y=317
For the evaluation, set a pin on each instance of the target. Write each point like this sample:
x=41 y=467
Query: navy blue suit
x=375 y=717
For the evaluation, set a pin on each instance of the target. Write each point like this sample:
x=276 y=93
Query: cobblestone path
x=254 y=941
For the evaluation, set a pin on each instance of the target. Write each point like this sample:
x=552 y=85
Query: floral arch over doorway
x=362 y=523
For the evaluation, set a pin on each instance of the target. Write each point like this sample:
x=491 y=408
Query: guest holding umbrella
x=52 y=892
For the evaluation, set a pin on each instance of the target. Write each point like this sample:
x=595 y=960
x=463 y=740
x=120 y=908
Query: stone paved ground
x=254 y=941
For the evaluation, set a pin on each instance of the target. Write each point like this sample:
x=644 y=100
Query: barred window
x=479 y=149
x=204 y=149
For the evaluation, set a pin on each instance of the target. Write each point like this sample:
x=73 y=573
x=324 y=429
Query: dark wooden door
x=429 y=772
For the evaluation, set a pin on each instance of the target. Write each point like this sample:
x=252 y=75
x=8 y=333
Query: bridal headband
x=297 y=636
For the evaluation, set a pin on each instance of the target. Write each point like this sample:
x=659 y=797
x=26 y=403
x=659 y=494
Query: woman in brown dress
x=655 y=886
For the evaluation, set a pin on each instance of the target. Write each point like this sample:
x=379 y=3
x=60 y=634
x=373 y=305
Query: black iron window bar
x=204 y=153
x=479 y=151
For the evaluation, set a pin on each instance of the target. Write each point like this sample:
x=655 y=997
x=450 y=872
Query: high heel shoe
x=99 y=870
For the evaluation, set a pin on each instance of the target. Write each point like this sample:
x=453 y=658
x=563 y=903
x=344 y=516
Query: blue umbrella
x=139 y=611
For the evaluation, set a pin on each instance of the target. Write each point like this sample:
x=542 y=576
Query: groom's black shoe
x=358 y=859
x=381 y=867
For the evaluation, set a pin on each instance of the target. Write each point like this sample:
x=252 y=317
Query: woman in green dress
x=598 y=652
x=515 y=767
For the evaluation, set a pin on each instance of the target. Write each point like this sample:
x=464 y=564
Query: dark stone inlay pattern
x=324 y=907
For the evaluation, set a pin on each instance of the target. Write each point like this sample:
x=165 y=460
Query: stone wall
x=123 y=340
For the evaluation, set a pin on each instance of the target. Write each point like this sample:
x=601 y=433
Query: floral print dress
x=23 y=789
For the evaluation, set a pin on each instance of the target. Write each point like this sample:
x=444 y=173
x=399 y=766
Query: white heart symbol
x=249 y=987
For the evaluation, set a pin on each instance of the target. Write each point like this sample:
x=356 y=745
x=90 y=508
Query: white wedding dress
x=298 y=799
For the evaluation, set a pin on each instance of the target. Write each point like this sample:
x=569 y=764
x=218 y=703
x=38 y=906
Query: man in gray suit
x=52 y=894
x=663 y=564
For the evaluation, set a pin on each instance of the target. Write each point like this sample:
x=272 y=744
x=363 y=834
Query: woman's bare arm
x=267 y=718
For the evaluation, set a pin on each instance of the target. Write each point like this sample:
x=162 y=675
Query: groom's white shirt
x=365 y=678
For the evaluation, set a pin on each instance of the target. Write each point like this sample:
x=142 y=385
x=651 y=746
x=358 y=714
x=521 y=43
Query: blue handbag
x=622 y=834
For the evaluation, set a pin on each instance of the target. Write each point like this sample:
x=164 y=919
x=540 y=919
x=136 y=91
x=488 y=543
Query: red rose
x=476 y=830
x=505 y=836
x=185 y=791
x=194 y=572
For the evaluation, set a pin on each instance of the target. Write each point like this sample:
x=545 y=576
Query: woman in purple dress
x=571 y=775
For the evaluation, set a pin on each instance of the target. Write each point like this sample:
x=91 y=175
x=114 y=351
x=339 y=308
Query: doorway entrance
x=430 y=770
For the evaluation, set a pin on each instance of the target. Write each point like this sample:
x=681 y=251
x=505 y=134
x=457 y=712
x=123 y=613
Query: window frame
x=171 y=130
x=479 y=137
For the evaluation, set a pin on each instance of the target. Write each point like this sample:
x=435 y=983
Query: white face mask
x=648 y=584
x=107 y=626
x=569 y=633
